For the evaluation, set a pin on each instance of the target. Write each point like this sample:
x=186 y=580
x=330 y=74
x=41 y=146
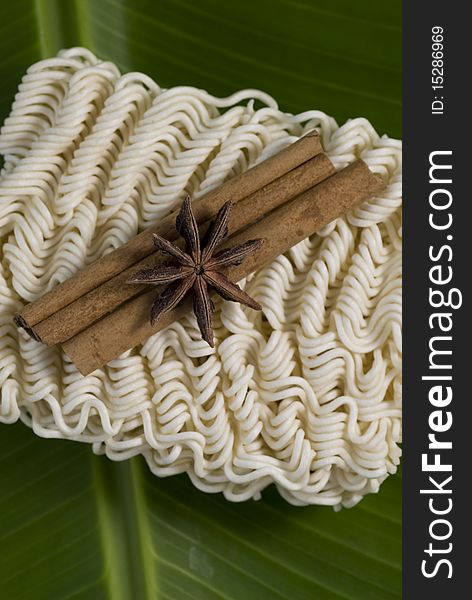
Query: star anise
x=198 y=269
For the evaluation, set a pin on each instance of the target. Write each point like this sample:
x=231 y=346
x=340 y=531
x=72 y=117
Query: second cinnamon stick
x=102 y=300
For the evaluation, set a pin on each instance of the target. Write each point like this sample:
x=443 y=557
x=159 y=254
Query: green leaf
x=76 y=526
x=338 y=56
x=73 y=525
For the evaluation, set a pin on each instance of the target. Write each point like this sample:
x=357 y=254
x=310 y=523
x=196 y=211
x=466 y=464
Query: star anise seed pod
x=198 y=269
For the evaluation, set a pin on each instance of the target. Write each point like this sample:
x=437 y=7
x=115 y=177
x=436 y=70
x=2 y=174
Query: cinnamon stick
x=282 y=228
x=141 y=246
x=102 y=300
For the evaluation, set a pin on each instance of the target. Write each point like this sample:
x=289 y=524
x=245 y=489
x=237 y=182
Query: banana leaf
x=77 y=526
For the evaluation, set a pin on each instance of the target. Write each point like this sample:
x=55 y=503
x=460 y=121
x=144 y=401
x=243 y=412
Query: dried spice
x=198 y=269
x=94 y=294
x=281 y=229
